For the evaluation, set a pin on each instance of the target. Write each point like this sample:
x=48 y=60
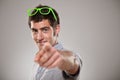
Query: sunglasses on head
x=43 y=11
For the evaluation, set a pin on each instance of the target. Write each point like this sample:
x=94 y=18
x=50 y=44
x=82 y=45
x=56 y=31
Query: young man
x=55 y=63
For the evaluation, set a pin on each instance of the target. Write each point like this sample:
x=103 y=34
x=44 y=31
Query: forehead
x=40 y=24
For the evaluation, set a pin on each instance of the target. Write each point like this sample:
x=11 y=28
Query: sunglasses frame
x=40 y=9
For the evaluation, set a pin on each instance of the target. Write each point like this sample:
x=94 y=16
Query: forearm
x=74 y=67
x=71 y=64
x=75 y=76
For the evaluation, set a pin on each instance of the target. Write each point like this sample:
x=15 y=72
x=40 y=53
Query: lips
x=41 y=43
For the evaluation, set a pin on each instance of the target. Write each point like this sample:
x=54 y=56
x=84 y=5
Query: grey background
x=91 y=28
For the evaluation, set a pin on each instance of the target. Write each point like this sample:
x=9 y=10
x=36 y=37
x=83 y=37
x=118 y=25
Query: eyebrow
x=33 y=29
x=40 y=28
x=45 y=27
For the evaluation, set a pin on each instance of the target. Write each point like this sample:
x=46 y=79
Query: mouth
x=41 y=43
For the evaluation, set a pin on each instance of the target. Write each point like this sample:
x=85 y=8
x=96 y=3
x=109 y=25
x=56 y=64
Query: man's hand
x=49 y=57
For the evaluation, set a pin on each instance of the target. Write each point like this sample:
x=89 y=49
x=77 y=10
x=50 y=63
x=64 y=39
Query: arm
x=50 y=57
x=71 y=66
x=73 y=69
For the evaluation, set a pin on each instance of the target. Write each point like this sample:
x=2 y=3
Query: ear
x=57 y=30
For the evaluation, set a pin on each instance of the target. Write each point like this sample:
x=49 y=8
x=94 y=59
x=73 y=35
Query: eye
x=45 y=30
x=34 y=30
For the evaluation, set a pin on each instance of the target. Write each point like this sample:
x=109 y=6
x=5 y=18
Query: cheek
x=46 y=36
x=33 y=37
x=49 y=36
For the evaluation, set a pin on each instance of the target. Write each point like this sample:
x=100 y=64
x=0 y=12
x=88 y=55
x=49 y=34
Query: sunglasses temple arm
x=54 y=15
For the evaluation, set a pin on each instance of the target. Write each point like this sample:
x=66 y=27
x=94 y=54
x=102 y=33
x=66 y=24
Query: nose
x=40 y=35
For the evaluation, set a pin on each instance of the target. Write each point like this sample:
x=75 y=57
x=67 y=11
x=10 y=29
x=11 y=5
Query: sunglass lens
x=32 y=12
x=45 y=11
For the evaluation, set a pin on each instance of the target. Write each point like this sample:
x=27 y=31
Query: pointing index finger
x=38 y=55
x=47 y=47
x=44 y=49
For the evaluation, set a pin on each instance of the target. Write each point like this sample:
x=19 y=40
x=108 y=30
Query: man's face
x=42 y=32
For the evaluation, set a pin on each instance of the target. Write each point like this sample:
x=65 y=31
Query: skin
x=46 y=37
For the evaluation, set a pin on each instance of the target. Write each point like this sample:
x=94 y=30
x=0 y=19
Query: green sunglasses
x=43 y=11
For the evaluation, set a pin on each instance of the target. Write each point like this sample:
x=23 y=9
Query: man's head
x=44 y=24
x=47 y=13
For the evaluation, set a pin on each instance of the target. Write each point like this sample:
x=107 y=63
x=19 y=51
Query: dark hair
x=39 y=17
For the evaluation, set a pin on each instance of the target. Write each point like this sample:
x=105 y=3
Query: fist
x=48 y=56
